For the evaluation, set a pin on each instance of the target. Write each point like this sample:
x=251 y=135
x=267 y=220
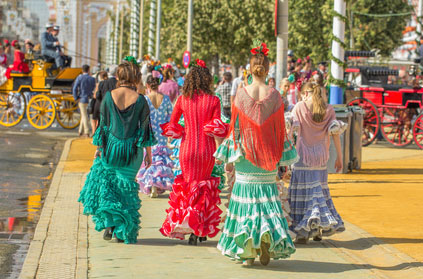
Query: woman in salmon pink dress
x=195 y=197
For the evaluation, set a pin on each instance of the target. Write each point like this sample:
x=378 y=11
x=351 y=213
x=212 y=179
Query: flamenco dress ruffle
x=312 y=208
x=110 y=192
x=113 y=201
x=255 y=212
x=175 y=146
x=194 y=205
x=159 y=174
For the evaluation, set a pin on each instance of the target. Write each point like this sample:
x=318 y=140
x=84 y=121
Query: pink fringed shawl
x=313 y=138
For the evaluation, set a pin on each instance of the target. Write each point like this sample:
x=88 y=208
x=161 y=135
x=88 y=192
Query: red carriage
x=395 y=111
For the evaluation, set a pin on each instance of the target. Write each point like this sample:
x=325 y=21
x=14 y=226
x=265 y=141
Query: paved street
x=67 y=246
x=28 y=160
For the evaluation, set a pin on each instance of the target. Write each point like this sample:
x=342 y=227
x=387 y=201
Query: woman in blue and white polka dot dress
x=159 y=177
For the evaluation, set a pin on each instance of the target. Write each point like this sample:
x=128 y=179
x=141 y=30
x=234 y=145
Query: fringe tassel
x=263 y=144
x=313 y=156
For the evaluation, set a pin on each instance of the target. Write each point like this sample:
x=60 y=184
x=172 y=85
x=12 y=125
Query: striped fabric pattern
x=255 y=215
x=311 y=204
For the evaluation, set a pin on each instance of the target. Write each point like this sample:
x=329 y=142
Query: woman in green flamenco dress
x=255 y=224
x=110 y=193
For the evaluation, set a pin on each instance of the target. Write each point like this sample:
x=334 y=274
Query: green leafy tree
x=310 y=26
x=224 y=30
x=383 y=33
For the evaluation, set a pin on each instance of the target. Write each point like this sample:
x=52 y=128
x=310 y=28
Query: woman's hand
x=337 y=143
x=147 y=160
x=338 y=164
x=97 y=154
x=229 y=167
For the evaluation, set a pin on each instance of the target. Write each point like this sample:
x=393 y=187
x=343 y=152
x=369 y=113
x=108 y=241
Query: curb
x=30 y=266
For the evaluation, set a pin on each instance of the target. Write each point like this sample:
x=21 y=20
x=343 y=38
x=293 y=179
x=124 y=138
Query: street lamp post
x=140 y=54
x=158 y=26
x=121 y=37
x=115 y=39
x=281 y=40
x=189 y=27
x=151 y=27
x=337 y=71
x=190 y=15
x=135 y=17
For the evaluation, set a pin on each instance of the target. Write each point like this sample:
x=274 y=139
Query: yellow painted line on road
x=385 y=198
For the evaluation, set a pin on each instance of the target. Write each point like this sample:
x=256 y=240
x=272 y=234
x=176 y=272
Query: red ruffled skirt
x=193 y=209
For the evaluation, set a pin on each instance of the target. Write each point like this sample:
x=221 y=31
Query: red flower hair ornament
x=260 y=48
x=201 y=63
x=167 y=66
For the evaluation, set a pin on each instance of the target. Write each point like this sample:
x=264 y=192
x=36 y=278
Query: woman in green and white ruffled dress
x=255 y=224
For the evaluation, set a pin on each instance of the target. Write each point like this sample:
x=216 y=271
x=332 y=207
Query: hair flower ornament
x=167 y=66
x=201 y=63
x=259 y=47
x=131 y=59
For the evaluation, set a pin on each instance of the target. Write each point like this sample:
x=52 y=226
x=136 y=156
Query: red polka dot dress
x=195 y=197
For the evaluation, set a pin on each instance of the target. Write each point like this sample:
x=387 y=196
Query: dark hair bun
x=153 y=82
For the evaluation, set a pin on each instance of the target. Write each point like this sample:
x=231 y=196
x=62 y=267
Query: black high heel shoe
x=203 y=239
x=108 y=233
x=192 y=239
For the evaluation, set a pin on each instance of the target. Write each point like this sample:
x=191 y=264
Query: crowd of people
x=154 y=135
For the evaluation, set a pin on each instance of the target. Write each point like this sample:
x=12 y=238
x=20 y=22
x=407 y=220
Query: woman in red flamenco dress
x=19 y=64
x=195 y=197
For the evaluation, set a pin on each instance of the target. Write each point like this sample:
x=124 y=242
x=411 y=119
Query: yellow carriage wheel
x=68 y=114
x=12 y=108
x=41 y=111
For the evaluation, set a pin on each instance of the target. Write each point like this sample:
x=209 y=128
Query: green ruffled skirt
x=110 y=195
x=254 y=215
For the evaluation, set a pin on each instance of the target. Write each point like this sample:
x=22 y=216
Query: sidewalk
x=65 y=244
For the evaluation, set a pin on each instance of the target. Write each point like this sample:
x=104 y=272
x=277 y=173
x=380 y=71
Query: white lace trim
x=337 y=127
x=310 y=168
x=254 y=216
x=255 y=178
x=254 y=200
x=258 y=230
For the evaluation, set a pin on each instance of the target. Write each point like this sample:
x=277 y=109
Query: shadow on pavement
x=325 y=267
x=355 y=181
x=172 y=242
x=389 y=171
x=356 y=196
x=366 y=243
x=360 y=243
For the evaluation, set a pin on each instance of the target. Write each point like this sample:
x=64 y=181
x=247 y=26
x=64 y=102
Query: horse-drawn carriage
x=40 y=97
x=391 y=110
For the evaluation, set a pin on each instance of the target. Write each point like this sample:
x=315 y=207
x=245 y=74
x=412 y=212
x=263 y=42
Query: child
x=312 y=210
